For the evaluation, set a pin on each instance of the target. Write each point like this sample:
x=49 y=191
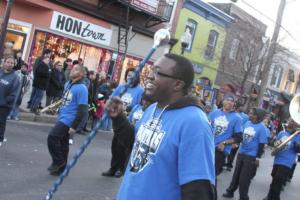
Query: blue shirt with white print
x=172 y=148
x=253 y=135
x=225 y=124
x=286 y=156
x=131 y=97
x=243 y=117
x=136 y=114
x=74 y=95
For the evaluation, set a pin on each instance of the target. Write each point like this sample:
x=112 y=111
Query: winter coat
x=56 y=83
x=41 y=76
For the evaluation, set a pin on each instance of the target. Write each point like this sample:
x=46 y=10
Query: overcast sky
x=291 y=18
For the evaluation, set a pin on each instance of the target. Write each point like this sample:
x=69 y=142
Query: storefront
x=43 y=24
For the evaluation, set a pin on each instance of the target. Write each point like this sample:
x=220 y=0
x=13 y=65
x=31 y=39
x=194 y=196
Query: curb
x=26 y=116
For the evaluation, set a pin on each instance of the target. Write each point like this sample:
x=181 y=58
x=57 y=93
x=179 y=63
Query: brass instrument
x=53 y=108
x=294 y=110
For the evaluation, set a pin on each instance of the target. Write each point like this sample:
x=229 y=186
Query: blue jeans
x=31 y=97
x=14 y=112
x=37 y=98
x=106 y=123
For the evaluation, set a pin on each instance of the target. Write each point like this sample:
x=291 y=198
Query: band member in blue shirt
x=172 y=141
x=227 y=129
x=73 y=109
x=283 y=160
x=251 y=148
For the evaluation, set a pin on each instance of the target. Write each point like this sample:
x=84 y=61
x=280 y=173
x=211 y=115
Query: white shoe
x=1 y=143
x=71 y=141
x=5 y=140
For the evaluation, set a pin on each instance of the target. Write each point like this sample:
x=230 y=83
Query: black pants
x=119 y=155
x=58 y=143
x=219 y=161
x=244 y=171
x=4 y=112
x=231 y=156
x=279 y=174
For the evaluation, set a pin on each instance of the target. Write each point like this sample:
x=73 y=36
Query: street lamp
x=185 y=40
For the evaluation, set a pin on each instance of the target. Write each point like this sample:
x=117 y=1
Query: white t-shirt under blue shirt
x=169 y=151
x=74 y=95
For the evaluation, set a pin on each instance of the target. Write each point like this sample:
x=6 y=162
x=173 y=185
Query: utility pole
x=4 y=26
x=266 y=68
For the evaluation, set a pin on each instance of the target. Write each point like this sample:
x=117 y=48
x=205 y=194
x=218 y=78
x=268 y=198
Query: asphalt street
x=24 y=159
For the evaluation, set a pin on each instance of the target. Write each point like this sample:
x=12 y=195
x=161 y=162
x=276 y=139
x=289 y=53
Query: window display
x=94 y=58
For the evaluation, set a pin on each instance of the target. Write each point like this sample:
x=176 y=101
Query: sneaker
x=5 y=140
x=71 y=141
x=1 y=144
x=228 y=194
x=109 y=173
x=8 y=118
x=15 y=118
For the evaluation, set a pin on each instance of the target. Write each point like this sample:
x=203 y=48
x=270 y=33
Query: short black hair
x=46 y=51
x=183 y=70
x=136 y=79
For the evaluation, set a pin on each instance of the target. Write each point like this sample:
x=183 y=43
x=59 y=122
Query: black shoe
x=86 y=130
x=57 y=173
x=56 y=167
x=119 y=173
x=228 y=194
x=109 y=173
x=80 y=133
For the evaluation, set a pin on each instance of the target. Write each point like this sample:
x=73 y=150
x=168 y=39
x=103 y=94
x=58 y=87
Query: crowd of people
x=160 y=130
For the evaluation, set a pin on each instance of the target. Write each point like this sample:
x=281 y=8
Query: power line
x=269 y=18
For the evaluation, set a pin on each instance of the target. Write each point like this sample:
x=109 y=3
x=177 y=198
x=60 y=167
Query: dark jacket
x=56 y=83
x=9 y=87
x=41 y=76
x=19 y=64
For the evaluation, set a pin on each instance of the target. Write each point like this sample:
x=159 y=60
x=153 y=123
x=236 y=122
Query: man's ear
x=179 y=85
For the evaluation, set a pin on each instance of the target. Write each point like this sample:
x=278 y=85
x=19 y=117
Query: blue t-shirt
x=253 y=135
x=169 y=151
x=225 y=124
x=244 y=118
x=74 y=95
x=287 y=156
x=136 y=114
x=131 y=97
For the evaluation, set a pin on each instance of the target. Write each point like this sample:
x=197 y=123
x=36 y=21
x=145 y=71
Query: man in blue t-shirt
x=251 y=149
x=227 y=129
x=283 y=160
x=130 y=98
x=172 y=145
x=74 y=106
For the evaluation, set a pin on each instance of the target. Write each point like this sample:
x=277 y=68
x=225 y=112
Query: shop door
x=17 y=39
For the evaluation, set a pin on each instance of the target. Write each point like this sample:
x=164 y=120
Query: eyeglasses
x=157 y=73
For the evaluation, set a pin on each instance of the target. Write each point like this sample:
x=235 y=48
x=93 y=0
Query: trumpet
x=294 y=110
x=53 y=108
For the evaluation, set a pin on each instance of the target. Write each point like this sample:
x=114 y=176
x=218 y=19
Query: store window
x=94 y=58
x=211 y=44
x=15 y=38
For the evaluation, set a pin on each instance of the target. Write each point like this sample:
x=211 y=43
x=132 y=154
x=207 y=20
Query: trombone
x=294 y=110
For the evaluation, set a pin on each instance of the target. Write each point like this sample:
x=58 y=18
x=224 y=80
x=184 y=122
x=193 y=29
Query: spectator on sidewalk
x=40 y=83
x=19 y=61
x=24 y=81
x=9 y=85
x=56 y=84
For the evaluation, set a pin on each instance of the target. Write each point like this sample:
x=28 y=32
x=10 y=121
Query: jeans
x=15 y=111
x=4 y=112
x=106 y=123
x=31 y=97
x=37 y=98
